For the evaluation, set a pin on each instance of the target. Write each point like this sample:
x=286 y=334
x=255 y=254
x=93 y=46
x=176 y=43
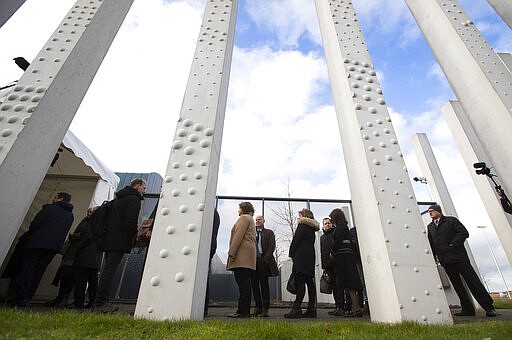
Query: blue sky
x=280 y=123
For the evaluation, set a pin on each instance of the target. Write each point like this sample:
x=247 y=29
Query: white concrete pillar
x=440 y=194
x=401 y=276
x=472 y=151
x=37 y=113
x=174 y=281
x=506 y=59
x=481 y=82
x=504 y=9
x=8 y=8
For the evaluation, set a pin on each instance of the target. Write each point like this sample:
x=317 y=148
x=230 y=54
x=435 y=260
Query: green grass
x=502 y=303
x=16 y=324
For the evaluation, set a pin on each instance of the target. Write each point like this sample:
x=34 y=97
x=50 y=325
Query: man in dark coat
x=43 y=240
x=327 y=261
x=119 y=238
x=266 y=266
x=446 y=236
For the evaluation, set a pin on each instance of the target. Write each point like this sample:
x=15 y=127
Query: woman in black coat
x=86 y=264
x=302 y=252
x=347 y=276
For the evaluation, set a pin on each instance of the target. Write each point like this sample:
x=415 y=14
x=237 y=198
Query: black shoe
x=309 y=313
x=339 y=312
x=332 y=312
x=53 y=302
x=354 y=314
x=264 y=313
x=257 y=311
x=490 y=313
x=294 y=314
x=238 y=316
x=465 y=313
x=21 y=303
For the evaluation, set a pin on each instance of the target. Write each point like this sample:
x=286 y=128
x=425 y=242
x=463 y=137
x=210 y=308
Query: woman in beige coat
x=242 y=257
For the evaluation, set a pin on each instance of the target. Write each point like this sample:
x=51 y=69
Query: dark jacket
x=341 y=240
x=50 y=227
x=215 y=232
x=87 y=254
x=447 y=240
x=122 y=221
x=325 y=249
x=268 y=246
x=302 y=248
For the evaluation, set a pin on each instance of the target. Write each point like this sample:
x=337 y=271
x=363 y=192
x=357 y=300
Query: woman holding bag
x=302 y=252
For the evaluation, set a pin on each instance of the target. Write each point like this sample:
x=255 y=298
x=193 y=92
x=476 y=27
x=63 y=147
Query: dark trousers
x=66 y=285
x=85 y=278
x=332 y=275
x=32 y=269
x=108 y=270
x=464 y=269
x=301 y=280
x=259 y=284
x=243 y=280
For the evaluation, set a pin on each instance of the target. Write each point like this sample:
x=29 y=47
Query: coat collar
x=309 y=222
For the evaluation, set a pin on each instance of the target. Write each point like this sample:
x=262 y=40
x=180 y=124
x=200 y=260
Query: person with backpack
x=118 y=238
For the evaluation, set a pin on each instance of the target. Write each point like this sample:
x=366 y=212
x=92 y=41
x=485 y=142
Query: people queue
x=250 y=258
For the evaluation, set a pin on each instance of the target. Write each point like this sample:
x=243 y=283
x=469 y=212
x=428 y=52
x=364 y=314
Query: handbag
x=291 y=286
x=325 y=283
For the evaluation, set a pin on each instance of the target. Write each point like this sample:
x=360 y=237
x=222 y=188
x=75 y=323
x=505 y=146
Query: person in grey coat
x=446 y=235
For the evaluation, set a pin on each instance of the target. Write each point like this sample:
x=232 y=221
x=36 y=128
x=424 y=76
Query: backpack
x=99 y=221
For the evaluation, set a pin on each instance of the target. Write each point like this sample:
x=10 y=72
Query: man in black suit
x=265 y=266
x=446 y=236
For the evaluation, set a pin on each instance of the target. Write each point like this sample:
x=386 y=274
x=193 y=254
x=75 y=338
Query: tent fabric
x=80 y=150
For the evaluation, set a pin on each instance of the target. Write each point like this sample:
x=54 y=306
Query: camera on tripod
x=482 y=169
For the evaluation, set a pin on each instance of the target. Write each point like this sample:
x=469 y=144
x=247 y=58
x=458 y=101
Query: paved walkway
x=277 y=313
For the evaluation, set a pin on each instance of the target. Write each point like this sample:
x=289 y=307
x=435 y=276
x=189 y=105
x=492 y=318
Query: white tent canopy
x=78 y=171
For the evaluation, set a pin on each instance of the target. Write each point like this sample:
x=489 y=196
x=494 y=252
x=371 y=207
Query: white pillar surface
x=480 y=80
x=504 y=9
x=174 y=281
x=472 y=152
x=401 y=276
x=440 y=194
x=506 y=59
x=8 y=8
x=37 y=113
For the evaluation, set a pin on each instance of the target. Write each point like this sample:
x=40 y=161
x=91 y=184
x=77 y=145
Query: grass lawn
x=16 y=324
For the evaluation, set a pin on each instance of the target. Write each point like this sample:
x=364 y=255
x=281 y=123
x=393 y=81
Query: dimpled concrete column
x=8 y=8
x=504 y=9
x=480 y=80
x=174 y=281
x=401 y=277
x=472 y=152
x=37 y=113
x=440 y=194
